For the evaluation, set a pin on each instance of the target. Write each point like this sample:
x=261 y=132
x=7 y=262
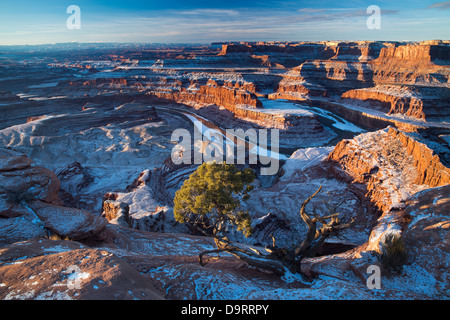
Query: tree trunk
x=281 y=260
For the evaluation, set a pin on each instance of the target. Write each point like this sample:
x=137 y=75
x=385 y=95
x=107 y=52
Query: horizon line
x=214 y=42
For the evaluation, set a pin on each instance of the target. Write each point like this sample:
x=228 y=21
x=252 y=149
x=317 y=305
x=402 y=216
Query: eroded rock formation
x=31 y=208
x=389 y=166
x=420 y=103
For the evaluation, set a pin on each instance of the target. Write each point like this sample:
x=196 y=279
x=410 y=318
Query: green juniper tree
x=211 y=199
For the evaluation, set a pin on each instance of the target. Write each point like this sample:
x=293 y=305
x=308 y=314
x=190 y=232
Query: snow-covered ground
x=114 y=154
x=304 y=158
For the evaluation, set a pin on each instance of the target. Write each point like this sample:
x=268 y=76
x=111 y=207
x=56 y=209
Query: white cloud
x=210 y=12
x=440 y=5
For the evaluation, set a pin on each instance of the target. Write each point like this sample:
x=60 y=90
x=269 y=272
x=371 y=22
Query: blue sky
x=205 y=21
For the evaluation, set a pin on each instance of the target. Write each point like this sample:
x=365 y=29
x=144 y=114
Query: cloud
x=310 y=10
x=440 y=5
x=208 y=25
x=211 y=12
x=310 y=14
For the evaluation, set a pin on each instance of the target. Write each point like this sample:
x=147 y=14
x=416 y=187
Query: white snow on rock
x=304 y=158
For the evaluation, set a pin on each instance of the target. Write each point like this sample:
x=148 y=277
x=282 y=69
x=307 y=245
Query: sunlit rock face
x=392 y=165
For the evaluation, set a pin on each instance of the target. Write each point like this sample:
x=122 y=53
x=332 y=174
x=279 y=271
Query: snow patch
x=305 y=158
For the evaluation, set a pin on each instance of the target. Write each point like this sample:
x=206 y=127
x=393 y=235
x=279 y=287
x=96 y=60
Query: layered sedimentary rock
x=421 y=63
x=321 y=67
x=417 y=102
x=360 y=50
x=286 y=54
x=110 y=82
x=383 y=72
x=410 y=106
x=388 y=62
x=280 y=120
x=398 y=69
x=97 y=141
x=242 y=102
x=389 y=166
x=121 y=263
x=430 y=169
x=336 y=76
x=294 y=86
x=377 y=73
x=228 y=95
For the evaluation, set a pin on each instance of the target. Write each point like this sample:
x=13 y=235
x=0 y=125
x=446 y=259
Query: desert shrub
x=393 y=253
x=54 y=236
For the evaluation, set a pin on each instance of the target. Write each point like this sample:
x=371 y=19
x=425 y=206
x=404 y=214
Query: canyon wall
x=383 y=74
x=412 y=64
x=430 y=170
x=388 y=166
x=410 y=79
x=389 y=101
x=358 y=50
x=228 y=96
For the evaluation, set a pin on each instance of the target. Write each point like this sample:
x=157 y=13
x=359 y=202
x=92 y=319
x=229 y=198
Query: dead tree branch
x=280 y=260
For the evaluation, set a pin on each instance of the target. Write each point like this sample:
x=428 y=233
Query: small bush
x=393 y=254
x=54 y=236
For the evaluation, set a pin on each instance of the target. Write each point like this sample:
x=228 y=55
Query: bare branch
x=279 y=260
x=303 y=214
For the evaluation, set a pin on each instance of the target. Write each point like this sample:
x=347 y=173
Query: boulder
x=30 y=203
x=73 y=223
x=30 y=183
x=11 y=160
x=19 y=229
x=74 y=178
x=6 y=205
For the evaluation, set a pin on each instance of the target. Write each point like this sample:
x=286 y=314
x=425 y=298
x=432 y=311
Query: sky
x=206 y=21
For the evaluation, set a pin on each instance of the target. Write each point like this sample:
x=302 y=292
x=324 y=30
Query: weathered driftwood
x=281 y=260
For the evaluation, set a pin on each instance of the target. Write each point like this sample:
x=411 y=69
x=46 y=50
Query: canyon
x=87 y=180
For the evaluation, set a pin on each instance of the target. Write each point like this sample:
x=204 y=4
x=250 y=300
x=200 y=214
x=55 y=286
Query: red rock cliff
x=430 y=170
x=390 y=165
x=412 y=64
x=228 y=96
x=392 y=103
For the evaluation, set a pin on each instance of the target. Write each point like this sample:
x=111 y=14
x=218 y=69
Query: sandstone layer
x=390 y=166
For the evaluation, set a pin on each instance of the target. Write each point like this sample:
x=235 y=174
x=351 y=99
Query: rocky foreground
x=51 y=251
